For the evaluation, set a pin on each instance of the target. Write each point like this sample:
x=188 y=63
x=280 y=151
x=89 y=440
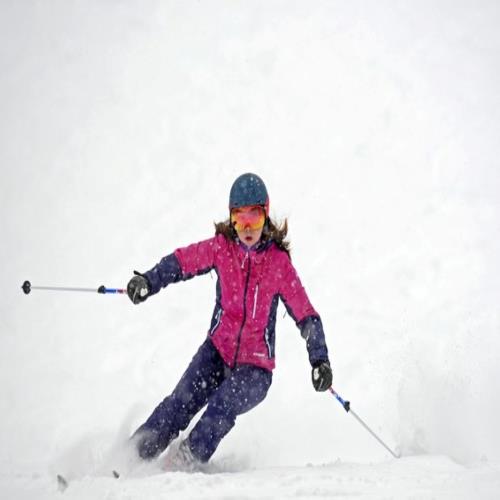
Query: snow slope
x=375 y=127
x=409 y=478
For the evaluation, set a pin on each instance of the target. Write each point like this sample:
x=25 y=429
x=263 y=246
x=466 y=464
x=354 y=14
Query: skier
x=232 y=370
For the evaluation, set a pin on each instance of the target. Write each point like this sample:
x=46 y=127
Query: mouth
x=248 y=238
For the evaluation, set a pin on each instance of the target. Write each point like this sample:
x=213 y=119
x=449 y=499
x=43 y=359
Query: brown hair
x=272 y=231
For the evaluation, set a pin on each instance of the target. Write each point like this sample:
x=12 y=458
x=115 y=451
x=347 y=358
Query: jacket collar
x=260 y=246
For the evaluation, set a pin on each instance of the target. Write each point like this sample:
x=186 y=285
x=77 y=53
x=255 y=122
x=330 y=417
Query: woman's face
x=249 y=237
x=248 y=223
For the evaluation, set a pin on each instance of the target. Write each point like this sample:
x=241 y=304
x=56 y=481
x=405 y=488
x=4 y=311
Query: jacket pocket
x=216 y=319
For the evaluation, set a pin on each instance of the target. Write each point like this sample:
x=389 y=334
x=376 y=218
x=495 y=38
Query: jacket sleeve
x=183 y=264
x=308 y=321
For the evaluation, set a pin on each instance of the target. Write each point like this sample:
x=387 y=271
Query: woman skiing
x=232 y=370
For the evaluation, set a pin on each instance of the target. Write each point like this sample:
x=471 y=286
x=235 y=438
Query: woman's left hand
x=322 y=376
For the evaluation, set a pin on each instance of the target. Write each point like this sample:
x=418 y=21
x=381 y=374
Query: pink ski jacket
x=250 y=284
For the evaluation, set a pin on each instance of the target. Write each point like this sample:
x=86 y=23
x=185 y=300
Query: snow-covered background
x=375 y=126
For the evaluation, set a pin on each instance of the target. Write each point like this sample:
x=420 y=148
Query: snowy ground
x=375 y=126
x=408 y=478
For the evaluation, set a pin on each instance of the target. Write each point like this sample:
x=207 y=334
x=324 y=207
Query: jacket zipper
x=268 y=344
x=244 y=314
x=217 y=321
x=244 y=260
x=255 y=300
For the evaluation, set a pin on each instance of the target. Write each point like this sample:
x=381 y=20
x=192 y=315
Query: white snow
x=409 y=478
x=375 y=126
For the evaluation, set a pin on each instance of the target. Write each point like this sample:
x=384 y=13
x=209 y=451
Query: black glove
x=322 y=376
x=138 y=288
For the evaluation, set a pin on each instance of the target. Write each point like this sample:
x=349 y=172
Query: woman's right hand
x=138 y=288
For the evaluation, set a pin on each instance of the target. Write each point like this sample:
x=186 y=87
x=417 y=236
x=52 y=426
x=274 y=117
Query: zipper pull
x=244 y=260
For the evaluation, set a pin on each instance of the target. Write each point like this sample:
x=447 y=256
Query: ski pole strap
x=345 y=404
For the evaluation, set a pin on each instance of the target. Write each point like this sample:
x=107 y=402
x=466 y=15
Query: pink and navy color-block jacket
x=249 y=286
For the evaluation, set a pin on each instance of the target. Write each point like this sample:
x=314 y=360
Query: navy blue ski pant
x=207 y=381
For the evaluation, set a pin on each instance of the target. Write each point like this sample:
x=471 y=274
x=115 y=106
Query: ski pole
x=27 y=287
x=347 y=407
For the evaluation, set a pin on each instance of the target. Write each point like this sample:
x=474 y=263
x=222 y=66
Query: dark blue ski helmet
x=248 y=189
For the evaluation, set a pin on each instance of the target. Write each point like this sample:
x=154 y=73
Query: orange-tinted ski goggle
x=253 y=217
